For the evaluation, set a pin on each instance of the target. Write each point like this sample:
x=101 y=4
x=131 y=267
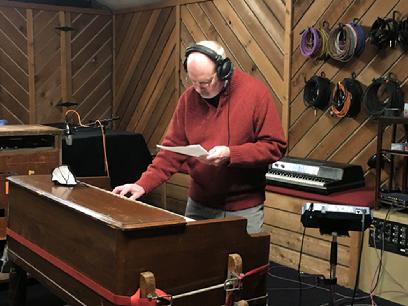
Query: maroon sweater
x=246 y=121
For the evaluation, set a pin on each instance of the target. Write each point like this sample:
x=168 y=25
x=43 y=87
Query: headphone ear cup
x=185 y=64
x=224 y=69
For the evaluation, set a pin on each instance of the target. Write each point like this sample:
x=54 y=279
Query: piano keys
x=90 y=246
x=315 y=176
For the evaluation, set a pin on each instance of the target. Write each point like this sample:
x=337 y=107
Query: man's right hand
x=136 y=190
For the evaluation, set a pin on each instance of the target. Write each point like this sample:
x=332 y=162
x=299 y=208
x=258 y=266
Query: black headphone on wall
x=223 y=66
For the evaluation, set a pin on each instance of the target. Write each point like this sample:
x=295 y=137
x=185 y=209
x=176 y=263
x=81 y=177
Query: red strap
x=261 y=269
x=133 y=300
x=136 y=300
x=229 y=301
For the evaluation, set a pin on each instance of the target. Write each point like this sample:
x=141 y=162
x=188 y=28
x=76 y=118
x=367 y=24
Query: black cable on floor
x=298 y=270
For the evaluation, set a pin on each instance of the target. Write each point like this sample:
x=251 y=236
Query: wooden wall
x=145 y=71
x=141 y=77
x=317 y=134
x=262 y=38
x=41 y=66
x=150 y=45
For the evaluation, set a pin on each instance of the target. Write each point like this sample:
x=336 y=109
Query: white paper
x=191 y=150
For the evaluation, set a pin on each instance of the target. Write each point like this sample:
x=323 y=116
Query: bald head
x=199 y=64
x=201 y=71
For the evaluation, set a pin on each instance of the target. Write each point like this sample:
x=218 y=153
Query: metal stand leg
x=17 y=286
x=333 y=264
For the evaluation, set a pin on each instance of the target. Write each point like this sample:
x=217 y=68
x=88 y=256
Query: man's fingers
x=124 y=191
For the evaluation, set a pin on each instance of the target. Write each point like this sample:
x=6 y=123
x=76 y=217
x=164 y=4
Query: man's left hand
x=217 y=156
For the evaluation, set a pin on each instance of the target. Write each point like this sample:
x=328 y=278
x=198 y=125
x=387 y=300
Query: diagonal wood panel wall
x=90 y=69
x=41 y=66
x=317 y=134
x=47 y=64
x=145 y=71
x=149 y=54
x=14 y=81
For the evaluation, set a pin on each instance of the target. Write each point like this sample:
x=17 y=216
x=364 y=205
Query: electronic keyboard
x=315 y=176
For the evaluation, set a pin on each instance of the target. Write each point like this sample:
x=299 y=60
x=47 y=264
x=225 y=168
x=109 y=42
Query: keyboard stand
x=335 y=227
x=332 y=281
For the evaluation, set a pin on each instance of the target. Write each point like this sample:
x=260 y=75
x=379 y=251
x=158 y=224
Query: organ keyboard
x=314 y=176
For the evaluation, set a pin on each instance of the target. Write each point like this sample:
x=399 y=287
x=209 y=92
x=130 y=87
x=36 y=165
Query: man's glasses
x=205 y=83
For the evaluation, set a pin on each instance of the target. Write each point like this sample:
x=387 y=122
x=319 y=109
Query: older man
x=233 y=116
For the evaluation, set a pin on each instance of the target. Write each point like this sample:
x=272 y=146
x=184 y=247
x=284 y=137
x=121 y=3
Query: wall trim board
x=47 y=7
x=159 y=5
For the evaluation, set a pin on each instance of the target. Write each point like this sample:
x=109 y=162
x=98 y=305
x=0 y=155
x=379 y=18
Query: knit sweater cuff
x=236 y=156
x=147 y=185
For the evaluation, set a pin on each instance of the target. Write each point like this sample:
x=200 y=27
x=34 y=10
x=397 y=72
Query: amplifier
x=397 y=199
x=336 y=218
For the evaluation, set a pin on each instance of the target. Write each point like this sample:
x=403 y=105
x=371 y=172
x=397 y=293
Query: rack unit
x=26 y=149
x=383 y=122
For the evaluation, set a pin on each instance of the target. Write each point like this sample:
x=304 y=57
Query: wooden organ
x=91 y=247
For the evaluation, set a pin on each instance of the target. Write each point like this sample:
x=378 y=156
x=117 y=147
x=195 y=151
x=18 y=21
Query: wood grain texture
x=252 y=34
x=316 y=134
x=41 y=66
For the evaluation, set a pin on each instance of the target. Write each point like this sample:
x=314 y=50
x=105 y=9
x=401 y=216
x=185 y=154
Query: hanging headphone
x=223 y=66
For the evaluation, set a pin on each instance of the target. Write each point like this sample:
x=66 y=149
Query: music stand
x=335 y=220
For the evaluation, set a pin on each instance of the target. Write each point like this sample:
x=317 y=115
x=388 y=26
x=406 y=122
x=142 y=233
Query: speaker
x=223 y=65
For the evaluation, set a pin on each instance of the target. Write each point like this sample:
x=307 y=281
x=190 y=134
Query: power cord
x=100 y=124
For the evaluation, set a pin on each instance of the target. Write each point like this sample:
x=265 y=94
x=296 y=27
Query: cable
x=405 y=290
x=310 y=42
x=341 y=100
x=380 y=263
x=394 y=95
x=342 y=42
x=359 y=258
x=403 y=33
x=316 y=92
x=324 y=48
x=99 y=122
x=299 y=264
x=384 y=33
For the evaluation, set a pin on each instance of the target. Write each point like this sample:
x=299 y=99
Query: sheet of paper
x=191 y=150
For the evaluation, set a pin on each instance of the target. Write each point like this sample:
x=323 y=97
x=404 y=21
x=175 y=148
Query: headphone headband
x=223 y=66
x=214 y=56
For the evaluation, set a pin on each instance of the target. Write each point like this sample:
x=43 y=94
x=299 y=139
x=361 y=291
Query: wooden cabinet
x=26 y=149
x=397 y=158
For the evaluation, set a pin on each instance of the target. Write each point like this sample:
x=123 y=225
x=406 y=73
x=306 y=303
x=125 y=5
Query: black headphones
x=223 y=66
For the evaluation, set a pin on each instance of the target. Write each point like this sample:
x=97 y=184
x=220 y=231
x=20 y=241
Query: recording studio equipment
x=336 y=218
x=393 y=96
x=384 y=32
x=127 y=154
x=317 y=92
x=71 y=129
x=67 y=104
x=395 y=199
x=316 y=176
x=223 y=67
x=68 y=131
x=384 y=158
x=104 y=122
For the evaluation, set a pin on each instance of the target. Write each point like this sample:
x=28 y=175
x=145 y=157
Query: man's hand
x=217 y=156
x=136 y=190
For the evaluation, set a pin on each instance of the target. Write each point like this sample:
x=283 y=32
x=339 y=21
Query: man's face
x=203 y=77
x=206 y=86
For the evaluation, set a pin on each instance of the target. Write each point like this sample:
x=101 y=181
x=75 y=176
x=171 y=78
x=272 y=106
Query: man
x=232 y=115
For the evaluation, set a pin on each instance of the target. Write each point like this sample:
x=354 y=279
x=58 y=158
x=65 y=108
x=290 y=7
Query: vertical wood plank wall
x=41 y=66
